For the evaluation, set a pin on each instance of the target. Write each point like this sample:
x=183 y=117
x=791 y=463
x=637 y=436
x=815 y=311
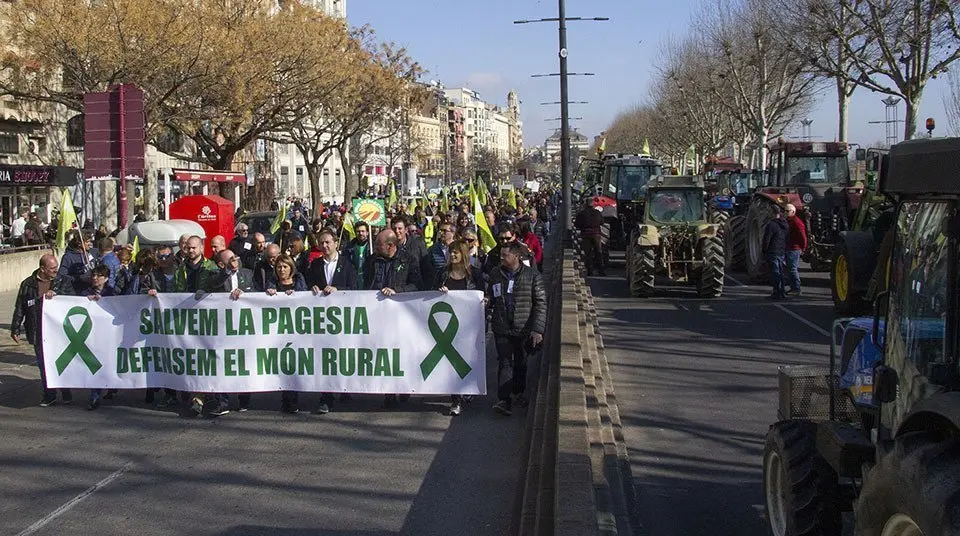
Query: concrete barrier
x=15 y=267
x=578 y=480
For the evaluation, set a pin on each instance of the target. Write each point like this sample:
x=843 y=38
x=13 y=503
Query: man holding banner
x=44 y=284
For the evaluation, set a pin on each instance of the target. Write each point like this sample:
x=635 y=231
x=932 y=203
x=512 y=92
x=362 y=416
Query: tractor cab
x=622 y=188
x=877 y=431
x=674 y=199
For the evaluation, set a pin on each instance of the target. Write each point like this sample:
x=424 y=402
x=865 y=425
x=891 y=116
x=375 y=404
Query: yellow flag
x=68 y=217
x=278 y=221
x=603 y=146
x=512 y=197
x=136 y=247
x=646 y=146
x=482 y=192
x=392 y=199
x=348 y=226
x=487 y=240
x=445 y=202
x=428 y=232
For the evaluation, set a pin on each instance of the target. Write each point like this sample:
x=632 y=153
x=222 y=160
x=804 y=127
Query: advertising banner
x=353 y=342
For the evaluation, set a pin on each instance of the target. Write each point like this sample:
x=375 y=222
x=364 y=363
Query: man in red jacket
x=796 y=243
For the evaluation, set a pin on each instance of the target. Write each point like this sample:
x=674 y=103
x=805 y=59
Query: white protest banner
x=354 y=342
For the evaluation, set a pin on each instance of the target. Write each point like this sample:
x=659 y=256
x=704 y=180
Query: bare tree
x=829 y=36
x=906 y=43
x=951 y=103
x=766 y=83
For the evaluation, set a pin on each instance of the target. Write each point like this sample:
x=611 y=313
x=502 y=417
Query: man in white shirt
x=17 y=229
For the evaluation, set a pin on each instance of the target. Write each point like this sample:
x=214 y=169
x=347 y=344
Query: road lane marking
x=67 y=506
x=803 y=320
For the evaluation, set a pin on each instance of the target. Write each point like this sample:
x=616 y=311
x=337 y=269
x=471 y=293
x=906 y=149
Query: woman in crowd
x=459 y=275
x=528 y=237
x=288 y=280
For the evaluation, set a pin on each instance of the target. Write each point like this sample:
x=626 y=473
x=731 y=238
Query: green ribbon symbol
x=444 y=339
x=78 y=346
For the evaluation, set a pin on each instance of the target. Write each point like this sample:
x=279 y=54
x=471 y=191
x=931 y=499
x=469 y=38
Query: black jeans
x=511 y=366
x=593 y=253
x=38 y=352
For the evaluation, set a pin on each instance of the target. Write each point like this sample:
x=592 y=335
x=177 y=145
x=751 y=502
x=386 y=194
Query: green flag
x=278 y=221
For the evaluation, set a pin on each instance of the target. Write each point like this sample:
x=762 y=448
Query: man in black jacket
x=391 y=272
x=774 y=248
x=590 y=222
x=263 y=272
x=45 y=283
x=235 y=280
x=518 y=305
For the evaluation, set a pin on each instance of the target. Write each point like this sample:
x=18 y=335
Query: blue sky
x=475 y=44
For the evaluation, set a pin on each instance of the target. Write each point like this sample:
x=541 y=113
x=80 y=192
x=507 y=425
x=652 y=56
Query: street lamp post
x=562 y=19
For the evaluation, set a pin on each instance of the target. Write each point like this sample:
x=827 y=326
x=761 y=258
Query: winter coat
x=529 y=311
x=416 y=249
x=775 y=237
x=219 y=281
x=27 y=309
x=797 y=235
x=401 y=273
x=536 y=249
x=474 y=282
x=589 y=221
x=358 y=253
x=181 y=281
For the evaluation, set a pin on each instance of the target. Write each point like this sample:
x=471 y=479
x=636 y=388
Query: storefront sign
x=39 y=175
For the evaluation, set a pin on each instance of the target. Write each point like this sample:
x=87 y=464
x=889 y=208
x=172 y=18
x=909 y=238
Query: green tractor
x=876 y=432
x=674 y=239
x=855 y=278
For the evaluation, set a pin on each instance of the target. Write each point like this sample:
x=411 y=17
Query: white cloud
x=492 y=86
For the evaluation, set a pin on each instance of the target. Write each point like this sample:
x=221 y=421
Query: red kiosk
x=212 y=212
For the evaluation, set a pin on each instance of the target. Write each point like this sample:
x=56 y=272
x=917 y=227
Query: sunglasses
x=506 y=238
x=469 y=240
x=164 y=257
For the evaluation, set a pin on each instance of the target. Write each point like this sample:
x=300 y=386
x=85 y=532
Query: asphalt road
x=128 y=468
x=697 y=389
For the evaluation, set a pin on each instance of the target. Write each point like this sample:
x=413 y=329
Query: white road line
x=802 y=320
x=75 y=501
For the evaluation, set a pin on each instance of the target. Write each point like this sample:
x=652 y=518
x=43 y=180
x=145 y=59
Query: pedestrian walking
x=413 y=247
x=99 y=287
x=590 y=222
x=796 y=244
x=518 y=305
x=191 y=276
x=359 y=250
x=44 y=284
x=458 y=274
x=774 y=247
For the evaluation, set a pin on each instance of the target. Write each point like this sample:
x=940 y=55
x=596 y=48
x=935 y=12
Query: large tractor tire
x=854 y=259
x=801 y=489
x=642 y=268
x=710 y=282
x=761 y=212
x=735 y=243
x=912 y=490
x=718 y=216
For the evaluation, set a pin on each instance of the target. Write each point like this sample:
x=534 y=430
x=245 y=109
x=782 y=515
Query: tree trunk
x=150 y=195
x=843 y=104
x=910 y=118
x=351 y=182
x=313 y=173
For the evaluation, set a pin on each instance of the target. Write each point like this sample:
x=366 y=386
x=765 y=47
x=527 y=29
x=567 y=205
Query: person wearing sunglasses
x=508 y=235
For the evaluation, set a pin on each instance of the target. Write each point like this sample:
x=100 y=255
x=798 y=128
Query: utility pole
x=565 y=175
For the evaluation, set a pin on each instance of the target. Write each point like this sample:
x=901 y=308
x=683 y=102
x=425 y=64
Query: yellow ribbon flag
x=512 y=197
x=348 y=226
x=278 y=221
x=428 y=232
x=646 y=147
x=68 y=217
x=482 y=192
x=487 y=240
x=392 y=199
x=136 y=248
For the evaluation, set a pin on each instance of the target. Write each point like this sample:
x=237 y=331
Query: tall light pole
x=562 y=19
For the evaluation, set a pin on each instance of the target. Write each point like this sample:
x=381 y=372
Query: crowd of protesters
x=422 y=248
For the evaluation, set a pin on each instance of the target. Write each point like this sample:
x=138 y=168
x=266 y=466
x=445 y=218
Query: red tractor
x=815 y=178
